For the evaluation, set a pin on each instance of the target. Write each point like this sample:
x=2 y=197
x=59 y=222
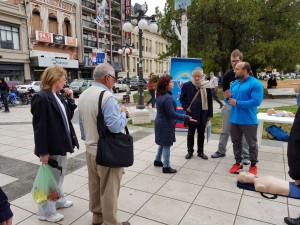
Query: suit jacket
x=50 y=132
x=188 y=91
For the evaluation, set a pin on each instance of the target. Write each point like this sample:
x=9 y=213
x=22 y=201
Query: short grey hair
x=102 y=70
x=197 y=70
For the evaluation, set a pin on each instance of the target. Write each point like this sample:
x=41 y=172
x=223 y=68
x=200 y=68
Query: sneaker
x=66 y=205
x=253 y=170
x=217 y=155
x=53 y=218
x=291 y=221
x=235 y=168
x=246 y=161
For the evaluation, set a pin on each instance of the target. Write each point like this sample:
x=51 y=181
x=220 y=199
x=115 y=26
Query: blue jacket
x=249 y=95
x=188 y=91
x=5 y=211
x=165 y=120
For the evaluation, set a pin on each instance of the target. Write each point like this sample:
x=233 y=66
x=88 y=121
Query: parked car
x=134 y=84
x=12 y=84
x=35 y=85
x=120 y=85
x=79 y=86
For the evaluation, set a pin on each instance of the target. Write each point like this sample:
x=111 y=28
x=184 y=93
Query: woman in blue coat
x=165 y=122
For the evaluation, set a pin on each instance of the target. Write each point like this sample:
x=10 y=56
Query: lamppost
x=139 y=15
x=127 y=51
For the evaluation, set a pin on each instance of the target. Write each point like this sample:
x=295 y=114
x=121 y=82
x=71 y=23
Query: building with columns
x=14 y=53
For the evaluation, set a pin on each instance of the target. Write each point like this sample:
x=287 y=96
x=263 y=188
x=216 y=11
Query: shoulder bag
x=113 y=149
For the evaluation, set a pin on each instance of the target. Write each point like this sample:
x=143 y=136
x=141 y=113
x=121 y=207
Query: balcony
x=88 y=4
x=102 y=45
x=89 y=43
x=89 y=24
x=116 y=32
x=116 y=15
x=115 y=47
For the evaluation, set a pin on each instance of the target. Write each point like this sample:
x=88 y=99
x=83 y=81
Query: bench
x=282 y=91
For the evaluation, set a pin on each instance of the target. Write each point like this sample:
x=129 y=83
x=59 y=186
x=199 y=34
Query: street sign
x=181 y=4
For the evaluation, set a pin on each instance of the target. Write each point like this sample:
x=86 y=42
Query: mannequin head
x=246 y=177
x=271 y=111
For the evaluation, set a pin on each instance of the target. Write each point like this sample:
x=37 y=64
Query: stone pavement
x=202 y=192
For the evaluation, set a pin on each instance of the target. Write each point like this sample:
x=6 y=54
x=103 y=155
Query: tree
x=266 y=31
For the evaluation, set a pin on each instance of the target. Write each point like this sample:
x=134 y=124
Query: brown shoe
x=97 y=223
x=125 y=223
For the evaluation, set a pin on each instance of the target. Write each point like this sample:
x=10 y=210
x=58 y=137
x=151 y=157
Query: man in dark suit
x=200 y=109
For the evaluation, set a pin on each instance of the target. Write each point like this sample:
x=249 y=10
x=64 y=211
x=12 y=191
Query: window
x=67 y=27
x=36 y=20
x=53 y=26
x=9 y=37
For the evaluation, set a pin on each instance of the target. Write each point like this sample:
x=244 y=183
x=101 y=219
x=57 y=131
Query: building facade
x=14 y=53
x=97 y=39
x=53 y=35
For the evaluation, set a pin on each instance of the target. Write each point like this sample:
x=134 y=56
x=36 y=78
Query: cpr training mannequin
x=271 y=185
x=279 y=113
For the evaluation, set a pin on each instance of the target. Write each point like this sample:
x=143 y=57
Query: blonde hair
x=51 y=75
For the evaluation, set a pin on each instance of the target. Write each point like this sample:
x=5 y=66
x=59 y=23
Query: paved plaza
x=201 y=193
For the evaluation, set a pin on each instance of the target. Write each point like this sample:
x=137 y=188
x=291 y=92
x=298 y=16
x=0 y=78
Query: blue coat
x=166 y=119
x=188 y=91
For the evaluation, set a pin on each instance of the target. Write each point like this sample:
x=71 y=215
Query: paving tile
x=223 y=169
x=146 y=156
x=191 y=176
x=270 y=157
x=71 y=214
x=157 y=171
x=180 y=190
x=219 y=200
x=26 y=202
x=16 y=152
x=226 y=183
x=131 y=200
x=82 y=172
x=73 y=182
x=164 y=210
x=5 y=179
x=262 y=172
x=262 y=210
x=246 y=221
x=146 y=183
x=293 y=211
x=87 y=218
x=33 y=220
x=179 y=151
x=127 y=176
x=142 y=146
x=270 y=149
x=273 y=166
x=139 y=166
x=200 y=215
x=294 y=202
x=82 y=192
x=5 y=148
x=255 y=194
x=28 y=157
x=137 y=220
x=199 y=164
x=19 y=214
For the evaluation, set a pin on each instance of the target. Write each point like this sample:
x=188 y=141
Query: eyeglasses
x=112 y=77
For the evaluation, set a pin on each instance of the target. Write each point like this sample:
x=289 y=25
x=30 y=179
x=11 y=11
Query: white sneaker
x=66 y=205
x=53 y=218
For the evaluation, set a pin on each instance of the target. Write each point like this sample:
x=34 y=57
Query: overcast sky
x=151 y=5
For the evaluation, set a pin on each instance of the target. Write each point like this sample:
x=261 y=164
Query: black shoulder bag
x=113 y=149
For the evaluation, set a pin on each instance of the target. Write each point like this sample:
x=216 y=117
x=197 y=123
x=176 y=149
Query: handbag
x=113 y=149
x=188 y=110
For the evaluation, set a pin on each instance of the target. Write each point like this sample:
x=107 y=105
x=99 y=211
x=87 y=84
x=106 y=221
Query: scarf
x=202 y=85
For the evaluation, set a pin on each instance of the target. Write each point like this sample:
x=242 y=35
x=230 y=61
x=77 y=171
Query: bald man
x=245 y=95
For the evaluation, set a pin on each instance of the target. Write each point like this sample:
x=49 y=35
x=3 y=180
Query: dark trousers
x=215 y=96
x=191 y=136
x=4 y=99
x=152 y=99
x=250 y=133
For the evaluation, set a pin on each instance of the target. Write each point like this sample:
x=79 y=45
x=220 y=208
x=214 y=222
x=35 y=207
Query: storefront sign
x=71 y=41
x=98 y=56
x=43 y=36
x=65 y=63
x=127 y=10
x=58 y=39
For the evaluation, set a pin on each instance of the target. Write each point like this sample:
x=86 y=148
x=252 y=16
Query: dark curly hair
x=162 y=84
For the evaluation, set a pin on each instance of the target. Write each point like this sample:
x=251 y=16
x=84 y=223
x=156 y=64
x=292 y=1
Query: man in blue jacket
x=245 y=95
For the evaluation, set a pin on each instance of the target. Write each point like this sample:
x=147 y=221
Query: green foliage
x=147 y=96
x=266 y=31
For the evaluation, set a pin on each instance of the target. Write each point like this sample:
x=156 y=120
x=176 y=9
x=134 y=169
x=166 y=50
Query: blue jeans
x=165 y=152
x=152 y=99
